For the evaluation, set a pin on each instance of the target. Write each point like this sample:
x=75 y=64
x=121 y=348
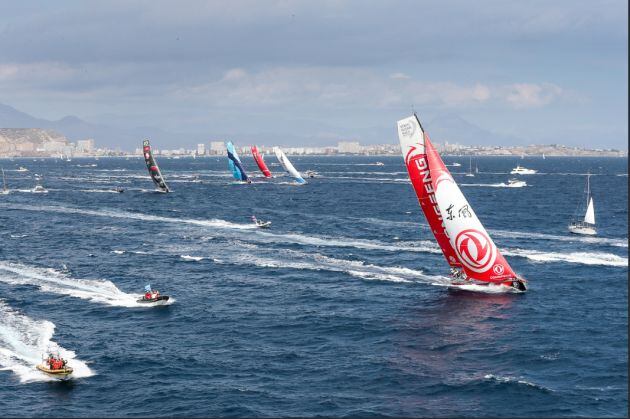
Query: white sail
x=589 y=217
x=286 y=164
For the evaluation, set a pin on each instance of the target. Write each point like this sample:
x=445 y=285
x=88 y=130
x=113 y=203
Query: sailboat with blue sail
x=235 y=165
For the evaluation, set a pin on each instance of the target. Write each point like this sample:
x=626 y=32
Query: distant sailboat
x=466 y=245
x=154 y=170
x=234 y=163
x=587 y=225
x=470 y=172
x=286 y=164
x=5 y=190
x=543 y=156
x=260 y=161
x=476 y=167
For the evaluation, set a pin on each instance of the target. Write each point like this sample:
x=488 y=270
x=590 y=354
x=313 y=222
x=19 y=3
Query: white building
x=201 y=149
x=217 y=147
x=352 y=147
x=85 y=146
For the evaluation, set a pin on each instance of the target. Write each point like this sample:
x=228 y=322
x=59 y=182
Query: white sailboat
x=470 y=172
x=286 y=164
x=587 y=225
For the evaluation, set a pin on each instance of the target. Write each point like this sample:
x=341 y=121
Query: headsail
x=234 y=163
x=288 y=166
x=475 y=250
x=412 y=138
x=260 y=162
x=589 y=217
x=154 y=170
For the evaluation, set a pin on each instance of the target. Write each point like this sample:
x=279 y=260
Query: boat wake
x=57 y=282
x=216 y=223
x=23 y=341
x=584 y=258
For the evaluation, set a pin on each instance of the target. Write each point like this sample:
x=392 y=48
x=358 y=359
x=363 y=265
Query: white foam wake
x=584 y=258
x=318 y=262
x=56 y=282
x=215 y=223
x=23 y=342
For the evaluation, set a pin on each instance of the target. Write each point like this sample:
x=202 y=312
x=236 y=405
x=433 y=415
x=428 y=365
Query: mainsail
x=412 y=138
x=260 y=162
x=154 y=170
x=473 y=248
x=288 y=166
x=234 y=163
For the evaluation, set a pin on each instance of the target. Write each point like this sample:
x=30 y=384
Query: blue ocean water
x=338 y=309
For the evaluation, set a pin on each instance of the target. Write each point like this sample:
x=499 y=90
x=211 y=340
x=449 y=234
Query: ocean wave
x=23 y=342
x=57 y=282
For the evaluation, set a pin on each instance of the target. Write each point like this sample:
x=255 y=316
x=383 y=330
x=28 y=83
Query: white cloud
x=528 y=95
x=336 y=87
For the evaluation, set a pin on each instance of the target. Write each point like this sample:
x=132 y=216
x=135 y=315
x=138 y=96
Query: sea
x=341 y=308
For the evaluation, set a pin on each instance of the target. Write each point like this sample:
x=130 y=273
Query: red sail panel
x=479 y=256
x=260 y=162
x=412 y=138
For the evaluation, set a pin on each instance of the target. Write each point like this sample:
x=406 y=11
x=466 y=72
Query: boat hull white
x=582 y=229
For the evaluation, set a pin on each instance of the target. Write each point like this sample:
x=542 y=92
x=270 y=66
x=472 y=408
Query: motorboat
x=520 y=170
x=39 y=189
x=22 y=169
x=55 y=366
x=311 y=173
x=516 y=183
x=260 y=223
x=152 y=297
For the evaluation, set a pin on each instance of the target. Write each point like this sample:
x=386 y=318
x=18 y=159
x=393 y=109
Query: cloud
x=527 y=95
x=351 y=87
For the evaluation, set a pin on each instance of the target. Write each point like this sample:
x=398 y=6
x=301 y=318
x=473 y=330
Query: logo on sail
x=498 y=269
x=407 y=128
x=475 y=250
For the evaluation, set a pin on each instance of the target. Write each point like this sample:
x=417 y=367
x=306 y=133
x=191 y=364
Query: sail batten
x=260 y=161
x=154 y=170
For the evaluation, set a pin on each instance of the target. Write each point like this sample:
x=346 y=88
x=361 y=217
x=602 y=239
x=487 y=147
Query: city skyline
x=300 y=73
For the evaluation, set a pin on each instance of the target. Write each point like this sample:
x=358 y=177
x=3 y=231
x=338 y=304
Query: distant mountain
x=455 y=129
x=75 y=129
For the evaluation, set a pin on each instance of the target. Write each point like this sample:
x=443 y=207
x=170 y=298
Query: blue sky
x=545 y=71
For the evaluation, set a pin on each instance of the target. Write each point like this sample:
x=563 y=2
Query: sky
x=323 y=71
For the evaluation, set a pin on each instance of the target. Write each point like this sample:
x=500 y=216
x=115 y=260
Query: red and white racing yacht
x=465 y=243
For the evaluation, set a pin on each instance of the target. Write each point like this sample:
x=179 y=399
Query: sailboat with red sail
x=260 y=162
x=472 y=255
